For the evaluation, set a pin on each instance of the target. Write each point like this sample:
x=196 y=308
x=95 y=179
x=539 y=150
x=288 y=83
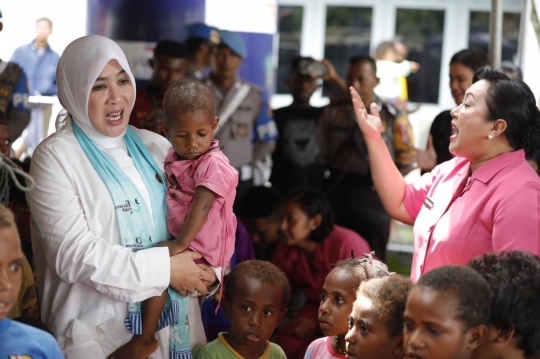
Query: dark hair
x=509 y=67
x=261 y=202
x=467 y=286
x=363 y=268
x=3 y=118
x=186 y=97
x=359 y=59
x=193 y=43
x=513 y=101
x=383 y=48
x=514 y=277
x=473 y=58
x=295 y=62
x=6 y=217
x=313 y=202
x=44 y=19
x=171 y=48
x=389 y=297
x=263 y=271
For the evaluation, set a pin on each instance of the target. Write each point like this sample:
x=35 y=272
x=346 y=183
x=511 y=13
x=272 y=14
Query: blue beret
x=202 y=31
x=234 y=42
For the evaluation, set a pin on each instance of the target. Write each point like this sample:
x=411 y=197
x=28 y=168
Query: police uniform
x=350 y=188
x=201 y=31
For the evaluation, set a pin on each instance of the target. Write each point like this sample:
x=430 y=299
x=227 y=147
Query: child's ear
x=476 y=336
x=282 y=315
x=226 y=307
x=214 y=124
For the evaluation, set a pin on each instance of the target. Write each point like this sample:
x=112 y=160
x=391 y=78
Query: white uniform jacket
x=85 y=276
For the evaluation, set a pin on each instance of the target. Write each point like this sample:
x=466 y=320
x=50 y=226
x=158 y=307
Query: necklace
x=338 y=349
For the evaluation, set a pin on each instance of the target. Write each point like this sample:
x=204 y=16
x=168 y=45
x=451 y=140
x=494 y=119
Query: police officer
x=200 y=40
x=354 y=201
x=246 y=128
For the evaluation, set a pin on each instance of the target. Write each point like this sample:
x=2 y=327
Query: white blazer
x=85 y=276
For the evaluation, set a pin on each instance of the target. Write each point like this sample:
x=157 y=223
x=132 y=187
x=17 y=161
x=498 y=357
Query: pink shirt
x=215 y=240
x=457 y=218
x=322 y=349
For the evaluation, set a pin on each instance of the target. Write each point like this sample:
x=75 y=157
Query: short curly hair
x=467 y=286
x=389 y=296
x=514 y=278
x=363 y=268
x=186 y=97
x=6 y=217
x=264 y=271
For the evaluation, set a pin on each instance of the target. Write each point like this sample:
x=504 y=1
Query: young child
x=514 y=332
x=447 y=314
x=338 y=296
x=376 y=322
x=201 y=187
x=17 y=340
x=255 y=300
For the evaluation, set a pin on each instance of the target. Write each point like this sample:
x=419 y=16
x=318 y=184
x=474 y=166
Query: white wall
x=19 y=19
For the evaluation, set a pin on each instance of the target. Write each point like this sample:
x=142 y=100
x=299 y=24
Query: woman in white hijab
x=99 y=197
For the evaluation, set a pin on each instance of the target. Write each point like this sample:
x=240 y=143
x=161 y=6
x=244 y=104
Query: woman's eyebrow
x=119 y=73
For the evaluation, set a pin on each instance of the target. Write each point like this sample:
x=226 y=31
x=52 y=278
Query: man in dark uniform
x=200 y=40
x=352 y=195
x=169 y=66
x=246 y=128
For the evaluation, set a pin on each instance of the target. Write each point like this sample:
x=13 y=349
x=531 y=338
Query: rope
x=8 y=168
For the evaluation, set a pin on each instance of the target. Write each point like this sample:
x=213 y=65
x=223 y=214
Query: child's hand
x=302 y=328
x=175 y=247
x=210 y=271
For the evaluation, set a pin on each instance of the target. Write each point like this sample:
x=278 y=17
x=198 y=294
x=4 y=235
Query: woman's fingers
x=185 y=274
x=374 y=109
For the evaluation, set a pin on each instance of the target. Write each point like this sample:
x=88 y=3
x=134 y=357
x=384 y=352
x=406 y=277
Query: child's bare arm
x=204 y=198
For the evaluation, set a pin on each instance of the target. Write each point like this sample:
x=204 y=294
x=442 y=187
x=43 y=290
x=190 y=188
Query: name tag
x=428 y=202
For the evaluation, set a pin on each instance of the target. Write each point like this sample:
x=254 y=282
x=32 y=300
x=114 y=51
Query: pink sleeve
x=417 y=192
x=515 y=223
x=216 y=174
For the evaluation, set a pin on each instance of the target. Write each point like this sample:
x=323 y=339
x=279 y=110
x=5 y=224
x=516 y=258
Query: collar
x=264 y=355
x=4 y=324
x=34 y=46
x=489 y=169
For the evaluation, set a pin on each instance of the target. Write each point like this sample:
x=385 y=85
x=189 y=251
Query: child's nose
x=349 y=337
x=415 y=340
x=256 y=320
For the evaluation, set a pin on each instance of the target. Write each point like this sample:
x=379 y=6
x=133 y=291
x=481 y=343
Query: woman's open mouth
x=454 y=131
x=115 y=118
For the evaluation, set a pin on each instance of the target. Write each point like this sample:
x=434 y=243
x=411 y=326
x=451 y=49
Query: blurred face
x=11 y=258
x=5 y=140
x=226 y=62
x=401 y=51
x=337 y=298
x=191 y=133
x=263 y=231
x=470 y=126
x=110 y=101
x=43 y=30
x=296 y=226
x=431 y=329
x=461 y=78
x=368 y=336
x=166 y=71
x=254 y=310
x=302 y=86
x=362 y=77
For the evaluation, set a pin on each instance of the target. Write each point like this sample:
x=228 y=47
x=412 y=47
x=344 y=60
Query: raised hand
x=370 y=125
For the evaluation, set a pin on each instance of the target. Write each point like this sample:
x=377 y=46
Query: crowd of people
x=156 y=228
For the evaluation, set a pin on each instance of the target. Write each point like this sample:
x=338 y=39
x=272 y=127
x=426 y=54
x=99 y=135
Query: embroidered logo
x=20 y=357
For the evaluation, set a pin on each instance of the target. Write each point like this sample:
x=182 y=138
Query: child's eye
x=14 y=267
x=339 y=300
x=433 y=331
x=202 y=134
x=268 y=312
x=323 y=297
x=246 y=308
x=351 y=323
x=181 y=136
x=363 y=327
x=407 y=326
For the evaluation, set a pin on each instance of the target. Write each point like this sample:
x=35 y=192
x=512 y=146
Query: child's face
x=254 y=310
x=191 y=133
x=263 y=231
x=432 y=330
x=338 y=296
x=10 y=269
x=368 y=336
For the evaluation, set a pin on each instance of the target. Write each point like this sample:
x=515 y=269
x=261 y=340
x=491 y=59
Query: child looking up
x=255 y=300
x=17 y=340
x=376 y=322
x=338 y=296
x=447 y=314
x=514 y=330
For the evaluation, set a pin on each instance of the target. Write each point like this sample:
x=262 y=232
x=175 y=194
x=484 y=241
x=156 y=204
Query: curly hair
x=264 y=271
x=6 y=217
x=389 y=296
x=514 y=278
x=186 y=97
x=467 y=286
x=364 y=267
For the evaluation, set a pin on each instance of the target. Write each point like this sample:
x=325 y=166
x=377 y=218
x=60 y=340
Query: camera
x=313 y=68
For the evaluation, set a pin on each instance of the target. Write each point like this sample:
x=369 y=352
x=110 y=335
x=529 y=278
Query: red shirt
x=145 y=101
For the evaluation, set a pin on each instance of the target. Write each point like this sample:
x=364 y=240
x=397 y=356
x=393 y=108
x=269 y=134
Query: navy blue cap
x=234 y=42
x=203 y=31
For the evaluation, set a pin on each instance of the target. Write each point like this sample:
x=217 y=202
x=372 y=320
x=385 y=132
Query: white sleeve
x=76 y=254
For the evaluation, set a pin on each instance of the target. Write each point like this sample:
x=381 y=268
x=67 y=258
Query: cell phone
x=313 y=68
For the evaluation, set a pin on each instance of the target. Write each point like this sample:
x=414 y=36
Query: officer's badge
x=214 y=37
x=242 y=130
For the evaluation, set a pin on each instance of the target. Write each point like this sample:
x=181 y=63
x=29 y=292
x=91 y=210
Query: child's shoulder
x=276 y=352
x=216 y=349
x=30 y=341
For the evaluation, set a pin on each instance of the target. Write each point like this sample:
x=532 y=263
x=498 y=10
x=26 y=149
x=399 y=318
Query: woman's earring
x=490 y=136
x=312 y=228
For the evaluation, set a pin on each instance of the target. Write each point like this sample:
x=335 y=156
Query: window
x=290 y=30
x=422 y=32
x=479 y=33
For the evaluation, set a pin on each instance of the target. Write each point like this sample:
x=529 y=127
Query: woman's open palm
x=370 y=125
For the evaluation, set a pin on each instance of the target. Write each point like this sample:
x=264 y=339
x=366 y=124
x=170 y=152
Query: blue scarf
x=137 y=231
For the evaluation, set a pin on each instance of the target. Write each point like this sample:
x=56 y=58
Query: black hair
x=359 y=59
x=512 y=70
x=314 y=202
x=193 y=43
x=44 y=19
x=364 y=267
x=186 y=97
x=3 y=118
x=467 y=287
x=261 y=202
x=513 y=101
x=514 y=278
x=389 y=297
x=263 y=271
x=473 y=58
x=295 y=62
x=172 y=49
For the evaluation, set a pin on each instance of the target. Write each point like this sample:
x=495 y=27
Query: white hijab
x=80 y=64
